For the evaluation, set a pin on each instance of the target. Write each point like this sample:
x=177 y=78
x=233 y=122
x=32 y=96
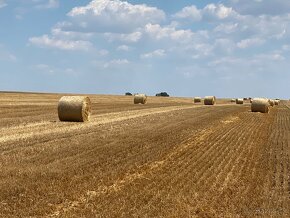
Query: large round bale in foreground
x=271 y=102
x=209 y=100
x=140 y=99
x=260 y=105
x=197 y=99
x=239 y=101
x=74 y=108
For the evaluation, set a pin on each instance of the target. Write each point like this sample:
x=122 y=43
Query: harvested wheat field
x=167 y=158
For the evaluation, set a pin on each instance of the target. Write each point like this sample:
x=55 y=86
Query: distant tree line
x=162 y=94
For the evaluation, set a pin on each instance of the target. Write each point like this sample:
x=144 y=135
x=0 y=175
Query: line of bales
x=261 y=105
x=78 y=108
x=258 y=104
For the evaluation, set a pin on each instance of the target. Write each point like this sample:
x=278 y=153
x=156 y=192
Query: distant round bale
x=271 y=102
x=276 y=102
x=209 y=100
x=260 y=105
x=197 y=99
x=233 y=100
x=239 y=101
x=140 y=99
x=74 y=108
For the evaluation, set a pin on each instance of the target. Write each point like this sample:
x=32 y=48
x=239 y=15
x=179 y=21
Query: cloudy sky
x=230 y=48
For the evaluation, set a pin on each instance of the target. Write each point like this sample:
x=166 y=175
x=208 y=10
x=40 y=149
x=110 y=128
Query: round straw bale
x=140 y=99
x=276 y=102
x=209 y=100
x=271 y=102
x=233 y=100
x=251 y=100
x=197 y=99
x=74 y=108
x=260 y=105
x=239 y=101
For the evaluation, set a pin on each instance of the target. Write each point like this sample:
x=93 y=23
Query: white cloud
x=25 y=7
x=259 y=7
x=211 y=12
x=239 y=27
x=51 y=70
x=220 y=12
x=156 y=53
x=103 y=52
x=274 y=56
x=280 y=35
x=190 y=12
x=51 y=42
x=245 y=43
x=48 y=4
x=223 y=45
x=2 y=4
x=202 y=50
x=123 y=48
x=130 y=37
x=157 y=32
x=286 y=47
x=44 y=69
x=225 y=61
x=264 y=26
x=59 y=33
x=116 y=62
x=227 y=28
x=6 y=55
x=114 y=16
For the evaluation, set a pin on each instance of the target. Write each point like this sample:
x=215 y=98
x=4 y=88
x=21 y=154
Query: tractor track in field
x=277 y=188
x=44 y=128
x=25 y=132
x=230 y=156
x=205 y=164
x=180 y=155
x=118 y=184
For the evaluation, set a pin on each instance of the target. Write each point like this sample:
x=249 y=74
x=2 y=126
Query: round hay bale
x=74 y=108
x=251 y=100
x=260 y=105
x=271 y=102
x=197 y=99
x=209 y=100
x=276 y=102
x=239 y=101
x=140 y=99
x=233 y=100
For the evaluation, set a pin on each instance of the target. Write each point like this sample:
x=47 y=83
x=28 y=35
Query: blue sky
x=230 y=48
